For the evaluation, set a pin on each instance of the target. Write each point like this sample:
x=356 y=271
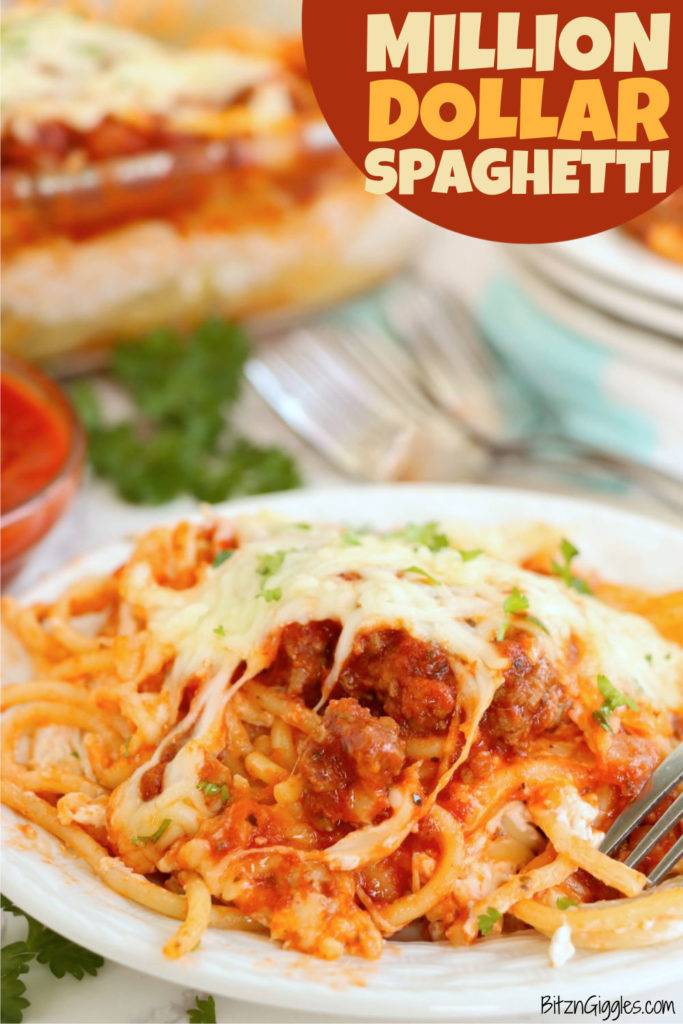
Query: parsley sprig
x=45 y=947
x=214 y=789
x=469 y=556
x=268 y=565
x=422 y=572
x=203 y=1012
x=516 y=604
x=566 y=902
x=427 y=534
x=351 y=538
x=564 y=571
x=155 y=836
x=178 y=437
x=486 y=921
x=222 y=556
x=612 y=699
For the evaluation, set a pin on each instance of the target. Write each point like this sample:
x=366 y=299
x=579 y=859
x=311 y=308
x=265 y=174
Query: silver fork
x=368 y=416
x=364 y=401
x=437 y=329
x=665 y=778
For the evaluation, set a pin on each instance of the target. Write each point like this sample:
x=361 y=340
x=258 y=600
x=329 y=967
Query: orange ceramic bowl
x=43 y=447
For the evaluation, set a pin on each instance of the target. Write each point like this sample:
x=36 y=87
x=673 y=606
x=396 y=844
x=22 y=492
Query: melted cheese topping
x=380 y=581
x=284 y=572
x=58 y=66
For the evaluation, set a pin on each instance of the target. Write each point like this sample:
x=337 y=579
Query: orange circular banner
x=534 y=125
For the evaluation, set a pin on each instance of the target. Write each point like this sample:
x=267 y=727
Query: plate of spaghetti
x=353 y=748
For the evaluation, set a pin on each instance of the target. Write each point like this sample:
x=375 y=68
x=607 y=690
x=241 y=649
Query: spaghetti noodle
x=331 y=735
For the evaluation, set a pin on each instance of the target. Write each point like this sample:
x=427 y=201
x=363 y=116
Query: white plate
x=659 y=358
x=412 y=980
x=617 y=296
x=623 y=261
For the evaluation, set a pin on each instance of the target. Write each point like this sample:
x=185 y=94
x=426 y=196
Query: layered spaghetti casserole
x=332 y=735
x=143 y=183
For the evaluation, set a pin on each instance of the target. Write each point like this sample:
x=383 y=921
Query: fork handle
x=578 y=454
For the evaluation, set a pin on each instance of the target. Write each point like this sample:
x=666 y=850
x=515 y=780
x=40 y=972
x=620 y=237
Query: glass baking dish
x=258 y=228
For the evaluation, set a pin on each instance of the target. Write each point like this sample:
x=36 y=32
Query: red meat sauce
x=531 y=701
x=56 y=144
x=248 y=824
x=410 y=680
x=391 y=687
x=348 y=772
x=389 y=879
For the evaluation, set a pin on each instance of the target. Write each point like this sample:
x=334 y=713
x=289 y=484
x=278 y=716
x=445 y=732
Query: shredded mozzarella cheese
x=280 y=574
x=59 y=66
x=561 y=946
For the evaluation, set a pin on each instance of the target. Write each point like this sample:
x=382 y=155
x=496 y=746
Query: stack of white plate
x=615 y=275
x=595 y=326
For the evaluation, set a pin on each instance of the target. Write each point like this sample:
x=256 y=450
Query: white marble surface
x=119 y=995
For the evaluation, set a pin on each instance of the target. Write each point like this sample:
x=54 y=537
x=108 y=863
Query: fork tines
x=665 y=778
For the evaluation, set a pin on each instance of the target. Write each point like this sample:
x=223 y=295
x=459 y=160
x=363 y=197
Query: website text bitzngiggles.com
x=608 y=1009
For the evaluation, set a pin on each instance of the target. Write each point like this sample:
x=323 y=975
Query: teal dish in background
x=594 y=392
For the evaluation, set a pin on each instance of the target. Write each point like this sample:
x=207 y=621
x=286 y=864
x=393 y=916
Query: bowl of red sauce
x=42 y=448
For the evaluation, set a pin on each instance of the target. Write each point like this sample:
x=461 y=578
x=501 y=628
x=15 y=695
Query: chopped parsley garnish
x=426 y=533
x=468 y=556
x=215 y=789
x=45 y=947
x=486 y=921
x=222 y=556
x=569 y=553
x=422 y=572
x=155 y=836
x=204 y=1011
x=303 y=526
x=351 y=538
x=74 y=753
x=537 y=622
x=178 y=437
x=565 y=902
x=219 y=630
x=268 y=566
x=515 y=604
x=210 y=788
x=648 y=659
x=613 y=699
x=126 y=746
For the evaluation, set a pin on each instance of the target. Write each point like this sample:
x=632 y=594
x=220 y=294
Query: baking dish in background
x=110 y=234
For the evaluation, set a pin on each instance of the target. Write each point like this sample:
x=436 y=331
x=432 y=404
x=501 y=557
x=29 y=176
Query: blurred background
x=201 y=301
